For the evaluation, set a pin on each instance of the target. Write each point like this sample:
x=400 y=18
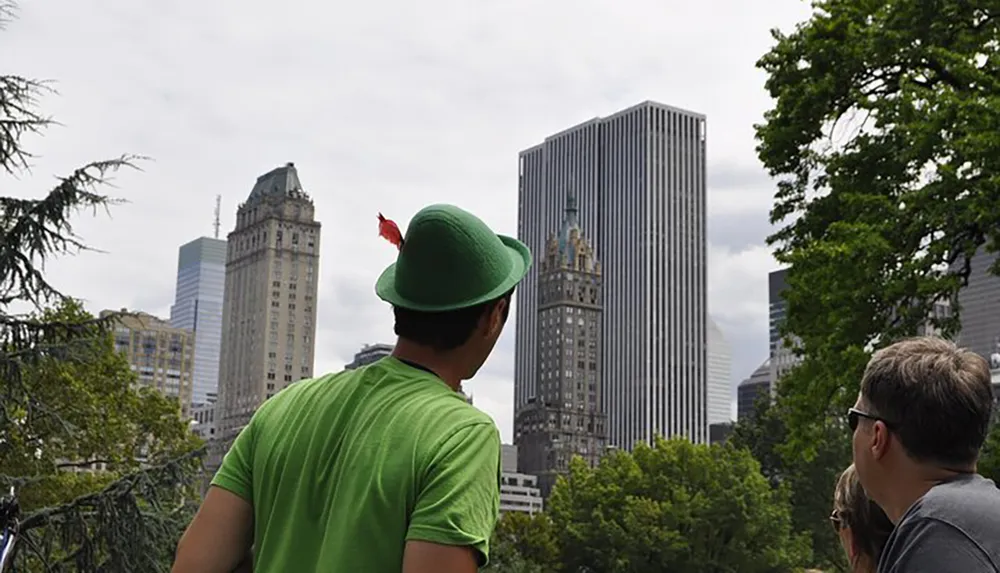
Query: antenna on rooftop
x=218 y=212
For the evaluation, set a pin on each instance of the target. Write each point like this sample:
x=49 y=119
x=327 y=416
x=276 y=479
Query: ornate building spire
x=569 y=249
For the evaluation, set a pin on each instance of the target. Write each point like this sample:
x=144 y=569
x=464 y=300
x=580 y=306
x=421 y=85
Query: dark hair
x=870 y=526
x=936 y=397
x=444 y=331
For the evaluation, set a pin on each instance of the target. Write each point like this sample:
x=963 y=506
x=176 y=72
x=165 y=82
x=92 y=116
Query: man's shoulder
x=955 y=521
x=963 y=499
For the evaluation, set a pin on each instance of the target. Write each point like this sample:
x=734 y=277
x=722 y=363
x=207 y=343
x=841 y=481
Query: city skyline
x=639 y=177
x=438 y=125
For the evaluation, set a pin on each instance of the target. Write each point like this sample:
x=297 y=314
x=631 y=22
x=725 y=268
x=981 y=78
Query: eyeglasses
x=854 y=417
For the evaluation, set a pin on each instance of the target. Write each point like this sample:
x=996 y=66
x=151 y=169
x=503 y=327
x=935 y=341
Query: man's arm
x=219 y=538
x=928 y=545
x=458 y=504
x=426 y=557
x=221 y=535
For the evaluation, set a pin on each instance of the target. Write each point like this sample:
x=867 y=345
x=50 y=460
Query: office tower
x=201 y=280
x=564 y=419
x=369 y=354
x=639 y=177
x=782 y=355
x=161 y=356
x=720 y=365
x=751 y=389
x=518 y=492
x=269 y=310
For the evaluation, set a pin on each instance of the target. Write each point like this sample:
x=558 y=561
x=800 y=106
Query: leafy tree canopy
x=885 y=141
x=674 y=506
x=524 y=543
x=810 y=481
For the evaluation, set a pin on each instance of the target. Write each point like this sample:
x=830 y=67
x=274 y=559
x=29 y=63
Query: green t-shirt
x=343 y=470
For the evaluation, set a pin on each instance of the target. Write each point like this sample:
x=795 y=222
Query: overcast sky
x=385 y=106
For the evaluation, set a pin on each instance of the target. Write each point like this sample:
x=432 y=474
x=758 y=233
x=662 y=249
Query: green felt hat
x=450 y=260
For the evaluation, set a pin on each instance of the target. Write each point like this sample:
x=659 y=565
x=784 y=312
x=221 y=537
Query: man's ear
x=880 y=439
x=495 y=317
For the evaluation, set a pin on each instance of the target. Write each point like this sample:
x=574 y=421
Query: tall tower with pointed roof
x=565 y=418
x=269 y=310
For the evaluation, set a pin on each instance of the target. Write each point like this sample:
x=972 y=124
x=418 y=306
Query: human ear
x=496 y=318
x=880 y=439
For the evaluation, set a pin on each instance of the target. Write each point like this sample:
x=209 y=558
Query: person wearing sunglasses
x=861 y=525
x=919 y=422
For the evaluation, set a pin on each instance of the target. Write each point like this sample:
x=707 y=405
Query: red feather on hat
x=388 y=230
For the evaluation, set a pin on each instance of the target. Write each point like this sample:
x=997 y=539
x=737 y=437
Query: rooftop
x=279 y=182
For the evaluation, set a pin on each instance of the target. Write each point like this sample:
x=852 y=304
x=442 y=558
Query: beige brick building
x=269 y=309
x=160 y=355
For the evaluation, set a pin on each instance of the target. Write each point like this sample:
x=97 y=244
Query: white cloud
x=384 y=106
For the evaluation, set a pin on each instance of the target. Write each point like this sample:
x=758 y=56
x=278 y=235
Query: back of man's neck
x=907 y=494
x=441 y=365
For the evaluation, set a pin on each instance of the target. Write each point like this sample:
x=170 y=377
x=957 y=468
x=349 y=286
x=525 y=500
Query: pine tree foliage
x=55 y=360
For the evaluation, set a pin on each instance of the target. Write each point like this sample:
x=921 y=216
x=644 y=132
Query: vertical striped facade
x=639 y=180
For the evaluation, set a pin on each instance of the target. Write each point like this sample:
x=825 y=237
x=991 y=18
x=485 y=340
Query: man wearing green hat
x=385 y=468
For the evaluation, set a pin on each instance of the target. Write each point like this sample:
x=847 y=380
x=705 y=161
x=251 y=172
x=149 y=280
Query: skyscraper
x=782 y=356
x=269 y=311
x=720 y=365
x=639 y=177
x=565 y=418
x=201 y=281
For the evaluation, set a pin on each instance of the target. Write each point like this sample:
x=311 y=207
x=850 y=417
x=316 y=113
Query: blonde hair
x=852 y=509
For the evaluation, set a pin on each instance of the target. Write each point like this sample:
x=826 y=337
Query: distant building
x=756 y=387
x=201 y=282
x=565 y=419
x=980 y=312
x=518 y=491
x=269 y=311
x=782 y=355
x=369 y=354
x=720 y=372
x=203 y=421
x=161 y=356
x=719 y=433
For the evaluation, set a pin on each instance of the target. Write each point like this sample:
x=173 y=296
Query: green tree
x=674 y=506
x=809 y=480
x=92 y=391
x=884 y=140
x=524 y=543
x=65 y=397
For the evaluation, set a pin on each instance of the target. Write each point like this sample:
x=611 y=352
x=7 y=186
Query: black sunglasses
x=837 y=521
x=854 y=417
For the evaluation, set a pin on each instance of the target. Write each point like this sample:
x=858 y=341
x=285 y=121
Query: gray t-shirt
x=954 y=528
